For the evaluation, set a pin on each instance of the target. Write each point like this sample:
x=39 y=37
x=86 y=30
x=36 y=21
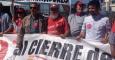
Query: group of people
x=89 y=25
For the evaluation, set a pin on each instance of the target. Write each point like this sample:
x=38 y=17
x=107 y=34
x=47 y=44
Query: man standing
x=76 y=20
x=95 y=25
x=57 y=24
x=33 y=23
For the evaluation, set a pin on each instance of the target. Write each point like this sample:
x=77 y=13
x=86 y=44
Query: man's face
x=53 y=14
x=79 y=8
x=20 y=15
x=34 y=8
x=92 y=9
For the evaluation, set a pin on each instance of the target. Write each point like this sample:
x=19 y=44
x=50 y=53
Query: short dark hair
x=20 y=10
x=37 y=4
x=95 y=3
x=1 y=4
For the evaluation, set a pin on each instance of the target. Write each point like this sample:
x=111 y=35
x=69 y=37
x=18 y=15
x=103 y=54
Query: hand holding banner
x=46 y=47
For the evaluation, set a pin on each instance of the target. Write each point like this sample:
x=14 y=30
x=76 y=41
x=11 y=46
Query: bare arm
x=66 y=29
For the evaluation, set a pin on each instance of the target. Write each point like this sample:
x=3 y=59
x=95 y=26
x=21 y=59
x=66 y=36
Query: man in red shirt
x=112 y=40
x=57 y=24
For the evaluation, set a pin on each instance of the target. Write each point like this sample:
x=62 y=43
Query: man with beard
x=57 y=24
x=95 y=26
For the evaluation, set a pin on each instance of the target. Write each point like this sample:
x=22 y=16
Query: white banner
x=7 y=47
x=45 y=47
x=46 y=1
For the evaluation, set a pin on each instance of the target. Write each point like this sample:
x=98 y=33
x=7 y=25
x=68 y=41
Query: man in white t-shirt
x=95 y=25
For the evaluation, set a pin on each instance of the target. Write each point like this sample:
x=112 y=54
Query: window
x=113 y=1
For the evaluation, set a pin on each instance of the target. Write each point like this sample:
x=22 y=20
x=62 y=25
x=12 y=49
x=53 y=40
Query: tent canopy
x=8 y=3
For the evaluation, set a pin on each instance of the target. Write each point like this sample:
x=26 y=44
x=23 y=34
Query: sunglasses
x=20 y=12
x=33 y=7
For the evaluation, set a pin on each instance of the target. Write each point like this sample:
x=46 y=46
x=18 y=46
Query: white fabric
x=95 y=29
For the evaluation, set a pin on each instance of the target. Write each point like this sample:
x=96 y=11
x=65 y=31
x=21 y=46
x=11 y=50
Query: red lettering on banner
x=14 y=42
x=3 y=49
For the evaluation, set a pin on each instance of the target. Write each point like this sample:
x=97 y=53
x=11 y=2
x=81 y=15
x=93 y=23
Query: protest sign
x=46 y=47
x=7 y=47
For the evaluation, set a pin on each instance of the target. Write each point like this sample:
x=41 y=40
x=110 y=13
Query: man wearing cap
x=57 y=24
x=5 y=22
x=76 y=20
x=33 y=23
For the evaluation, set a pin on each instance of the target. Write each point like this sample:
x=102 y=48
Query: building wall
x=112 y=5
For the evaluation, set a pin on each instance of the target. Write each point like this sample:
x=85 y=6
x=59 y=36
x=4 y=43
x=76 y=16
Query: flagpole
x=12 y=8
x=70 y=6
